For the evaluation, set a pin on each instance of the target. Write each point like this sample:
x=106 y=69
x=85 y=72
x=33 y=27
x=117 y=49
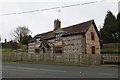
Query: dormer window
x=38 y=39
x=58 y=36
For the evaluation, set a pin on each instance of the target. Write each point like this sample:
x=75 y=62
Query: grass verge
x=14 y=50
x=51 y=63
x=112 y=49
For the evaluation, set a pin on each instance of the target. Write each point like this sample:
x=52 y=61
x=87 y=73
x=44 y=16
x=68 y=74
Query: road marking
x=15 y=68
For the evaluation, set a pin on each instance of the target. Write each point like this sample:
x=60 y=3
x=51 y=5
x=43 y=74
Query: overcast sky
x=42 y=21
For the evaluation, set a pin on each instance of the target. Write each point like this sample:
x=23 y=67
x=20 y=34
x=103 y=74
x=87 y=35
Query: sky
x=119 y=6
x=42 y=21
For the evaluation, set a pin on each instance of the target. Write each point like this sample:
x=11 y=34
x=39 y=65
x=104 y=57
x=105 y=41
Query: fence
x=85 y=59
x=110 y=57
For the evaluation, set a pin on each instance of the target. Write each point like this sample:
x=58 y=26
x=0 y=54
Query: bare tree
x=20 y=32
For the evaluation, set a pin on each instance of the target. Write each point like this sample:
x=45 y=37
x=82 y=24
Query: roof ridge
x=44 y=33
x=71 y=30
x=91 y=20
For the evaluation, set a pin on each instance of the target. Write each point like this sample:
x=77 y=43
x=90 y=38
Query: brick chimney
x=57 y=24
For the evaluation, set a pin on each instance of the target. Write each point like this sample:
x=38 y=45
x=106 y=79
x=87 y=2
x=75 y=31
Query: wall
x=73 y=44
x=90 y=43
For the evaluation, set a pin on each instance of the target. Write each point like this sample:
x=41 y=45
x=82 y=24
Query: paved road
x=22 y=70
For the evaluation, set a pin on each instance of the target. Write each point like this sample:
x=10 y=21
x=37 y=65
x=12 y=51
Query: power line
x=52 y=8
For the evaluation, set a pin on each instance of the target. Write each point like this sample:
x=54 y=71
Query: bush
x=11 y=44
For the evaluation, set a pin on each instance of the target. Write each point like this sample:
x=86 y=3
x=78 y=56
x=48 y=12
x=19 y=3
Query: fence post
x=10 y=57
x=69 y=57
x=15 y=56
x=53 y=56
x=78 y=58
x=21 y=57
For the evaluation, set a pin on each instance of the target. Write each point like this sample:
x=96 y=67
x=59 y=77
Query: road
x=23 y=70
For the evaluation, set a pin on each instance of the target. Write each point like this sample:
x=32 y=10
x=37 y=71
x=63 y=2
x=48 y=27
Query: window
x=92 y=36
x=36 y=50
x=58 y=50
x=37 y=40
x=58 y=37
x=93 y=49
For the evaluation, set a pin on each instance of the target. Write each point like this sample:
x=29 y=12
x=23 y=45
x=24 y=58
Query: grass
x=111 y=49
x=14 y=50
x=51 y=63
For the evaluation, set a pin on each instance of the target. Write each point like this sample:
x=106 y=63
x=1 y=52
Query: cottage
x=82 y=38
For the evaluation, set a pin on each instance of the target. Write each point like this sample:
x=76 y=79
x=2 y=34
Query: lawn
x=111 y=49
x=14 y=50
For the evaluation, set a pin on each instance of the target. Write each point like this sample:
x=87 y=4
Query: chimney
x=57 y=24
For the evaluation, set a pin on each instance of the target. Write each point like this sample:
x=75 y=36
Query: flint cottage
x=77 y=39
